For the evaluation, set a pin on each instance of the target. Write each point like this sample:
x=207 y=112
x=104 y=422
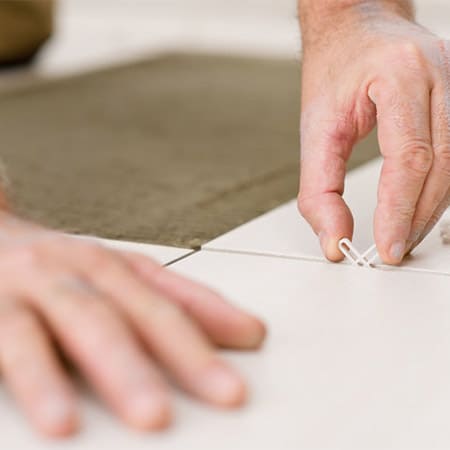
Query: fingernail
x=252 y=335
x=397 y=251
x=258 y=335
x=221 y=385
x=55 y=412
x=148 y=409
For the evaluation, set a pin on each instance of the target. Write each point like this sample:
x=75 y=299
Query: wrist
x=320 y=18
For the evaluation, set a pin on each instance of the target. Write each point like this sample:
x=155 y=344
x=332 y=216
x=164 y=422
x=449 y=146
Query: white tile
x=282 y=232
x=162 y=254
x=354 y=360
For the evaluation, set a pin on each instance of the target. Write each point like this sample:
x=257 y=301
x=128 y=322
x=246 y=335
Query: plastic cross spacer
x=366 y=259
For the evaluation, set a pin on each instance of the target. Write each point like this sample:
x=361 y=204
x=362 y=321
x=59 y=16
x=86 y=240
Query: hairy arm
x=318 y=15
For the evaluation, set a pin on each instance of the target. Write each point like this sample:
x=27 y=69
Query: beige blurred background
x=95 y=33
x=145 y=137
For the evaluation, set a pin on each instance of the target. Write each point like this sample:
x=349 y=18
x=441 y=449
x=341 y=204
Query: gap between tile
x=382 y=267
x=187 y=255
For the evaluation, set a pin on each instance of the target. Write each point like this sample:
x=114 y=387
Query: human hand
x=366 y=65
x=121 y=319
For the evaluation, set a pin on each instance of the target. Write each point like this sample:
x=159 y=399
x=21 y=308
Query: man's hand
x=368 y=63
x=121 y=319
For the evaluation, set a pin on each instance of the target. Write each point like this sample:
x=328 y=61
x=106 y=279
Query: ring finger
x=102 y=346
x=172 y=337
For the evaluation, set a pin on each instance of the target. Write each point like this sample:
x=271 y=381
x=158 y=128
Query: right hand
x=122 y=319
x=369 y=65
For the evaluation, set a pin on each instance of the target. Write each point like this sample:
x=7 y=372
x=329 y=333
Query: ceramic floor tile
x=354 y=360
x=162 y=254
x=351 y=362
x=282 y=232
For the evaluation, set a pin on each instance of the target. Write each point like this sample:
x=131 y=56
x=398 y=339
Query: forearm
x=317 y=16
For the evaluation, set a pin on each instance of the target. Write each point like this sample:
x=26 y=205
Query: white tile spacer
x=371 y=255
x=366 y=259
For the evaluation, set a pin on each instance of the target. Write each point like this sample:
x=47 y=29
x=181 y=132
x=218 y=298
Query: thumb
x=326 y=145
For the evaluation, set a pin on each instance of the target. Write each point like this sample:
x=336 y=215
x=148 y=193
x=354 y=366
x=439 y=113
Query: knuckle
x=99 y=326
x=97 y=258
x=303 y=206
x=27 y=256
x=409 y=55
x=401 y=211
x=404 y=213
x=54 y=241
x=443 y=47
x=341 y=130
x=165 y=311
x=441 y=116
x=417 y=157
x=18 y=322
x=25 y=323
x=391 y=97
x=442 y=158
x=98 y=313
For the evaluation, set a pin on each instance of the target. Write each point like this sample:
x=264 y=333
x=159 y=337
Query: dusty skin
x=91 y=300
x=382 y=69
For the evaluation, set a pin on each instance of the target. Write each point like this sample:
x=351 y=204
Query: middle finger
x=102 y=346
x=171 y=336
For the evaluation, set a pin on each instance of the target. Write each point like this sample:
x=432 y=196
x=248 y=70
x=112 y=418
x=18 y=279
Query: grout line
x=192 y=252
x=383 y=268
x=265 y=255
x=386 y=268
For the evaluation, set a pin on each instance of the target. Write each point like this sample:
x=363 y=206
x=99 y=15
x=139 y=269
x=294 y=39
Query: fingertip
x=255 y=335
x=161 y=419
x=220 y=385
x=235 y=396
x=330 y=248
x=63 y=430
x=394 y=253
x=57 y=418
x=332 y=220
x=149 y=414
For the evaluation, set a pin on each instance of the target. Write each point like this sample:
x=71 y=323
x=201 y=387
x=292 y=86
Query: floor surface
x=356 y=358
x=282 y=232
x=351 y=362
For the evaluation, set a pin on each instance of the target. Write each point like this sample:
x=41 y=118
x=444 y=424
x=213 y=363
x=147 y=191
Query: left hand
x=131 y=327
